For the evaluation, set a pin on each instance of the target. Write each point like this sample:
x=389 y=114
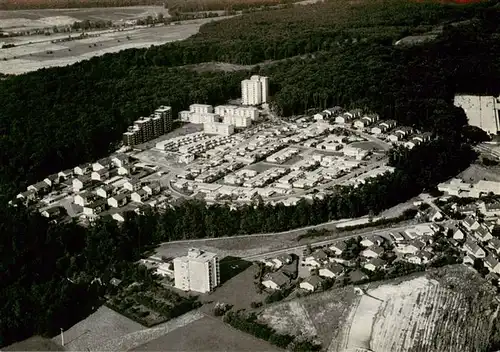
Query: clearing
x=207 y=334
x=475 y=173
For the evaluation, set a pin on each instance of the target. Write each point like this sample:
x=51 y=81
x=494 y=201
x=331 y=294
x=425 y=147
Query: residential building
x=100 y=175
x=120 y=160
x=312 y=283
x=132 y=136
x=372 y=252
x=375 y=240
x=52 y=180
x=139 y=196
x=482 y=234
x=166 y=113
x=94 y=208
x=104 y=163
x=118 y=200
x=145 y=126
x=374 y=264
x=51 y=212
x=494 y=244
x=472 y=248
x=338 y=248
x=332 y=270
x=470 y=223
x=65 y=174
x=237 y=121
x=152 y=188
x=197 y=271
x=105 y=191
x=81 y=182
x=357 y=276
x=218 y=128
x=255 y=91
x=275 y=281
x=492 y=264
x=481 y=111
x=39 y=187
x=201 y=108
x=133 y=185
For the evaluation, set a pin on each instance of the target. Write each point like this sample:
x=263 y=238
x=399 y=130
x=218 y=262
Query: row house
x=374 y=264
x=383 y=127
x=119 y=200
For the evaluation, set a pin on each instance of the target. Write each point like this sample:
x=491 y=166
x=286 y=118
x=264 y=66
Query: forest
x=56 y=118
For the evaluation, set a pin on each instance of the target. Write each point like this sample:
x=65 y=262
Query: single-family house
x=139 y=196
x=285 y=259
x=374 y=264
x=82 y=198
x=360 y=124
x=94 y=208
x=65 y=174
x=52 y=180
x=133 y=185
x=275 y=281
x=82 y=169
x=81 y=182
x=355 y=113
x=152 y=188
x=494 y=244
x=320 y=116
x=344 y=118
x=472 y=248
x=335 y=111
x=39 y=187
x=118 y=200
x=411 y=247
x=435 y=215
x=482 y=234
x=372 y=252
x=492 y=264
x=106 y=191
x=458 y=234
x=468 y=260
x=379 y=129
x=404 y=131
x=338 y=248
x=395 y=137
x=470 y=223
x=372 y=241
x=120 y=160
x=422 y=257
x=332 y=270
x=27 y=196
x=490 y=208
x=357 y=276
x=312 y=283
x=100 y=175
x=123 y=170
x=465 y=208
x=51 y=213
x=104 y=163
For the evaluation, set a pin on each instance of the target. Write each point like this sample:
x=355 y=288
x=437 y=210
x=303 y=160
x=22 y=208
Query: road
x=367 y=233
x=484 y=148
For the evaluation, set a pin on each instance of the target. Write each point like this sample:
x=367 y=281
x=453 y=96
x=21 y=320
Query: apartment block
x=197 y=271
x=222 y=129
x=201 y=108
x=146 y=128
x=237 y=121
x=166 y=113
x=255 y=91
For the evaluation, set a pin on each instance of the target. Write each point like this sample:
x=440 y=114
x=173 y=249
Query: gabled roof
x=491 y=260
x=334 y=268
x=472 y=246
x=120 y=196
x=357 y=275
x=376 y=262
x=495 y=243
x=469 y=221
x=377 y=249
x=95 y=204
x=339 y=245
x=482 y=232
x=278 y=278
x=320 y=254
x=41 y=185
x=314 y=280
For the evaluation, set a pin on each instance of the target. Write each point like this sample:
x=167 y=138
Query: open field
x=448 y=309
x=57 y=4
x=318 y=316
x=475 y=173
x=29 y=19
x=207 y=334
x=42 y=54
x=35 y=343
x=104 y=324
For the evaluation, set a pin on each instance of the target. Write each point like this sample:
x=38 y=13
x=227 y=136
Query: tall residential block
x=166 y=113
x=197 y=271
x=147 y=128
x=255 y=91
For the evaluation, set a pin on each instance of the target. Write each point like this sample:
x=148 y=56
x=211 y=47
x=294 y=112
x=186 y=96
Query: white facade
x=201 y=108
x=481 y=111
x=255 y=91
x=198 y=271
x=222 y=129
x=238 y=121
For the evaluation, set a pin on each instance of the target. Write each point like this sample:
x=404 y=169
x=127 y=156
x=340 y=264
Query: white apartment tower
x=198 y=271
x=255 y=91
